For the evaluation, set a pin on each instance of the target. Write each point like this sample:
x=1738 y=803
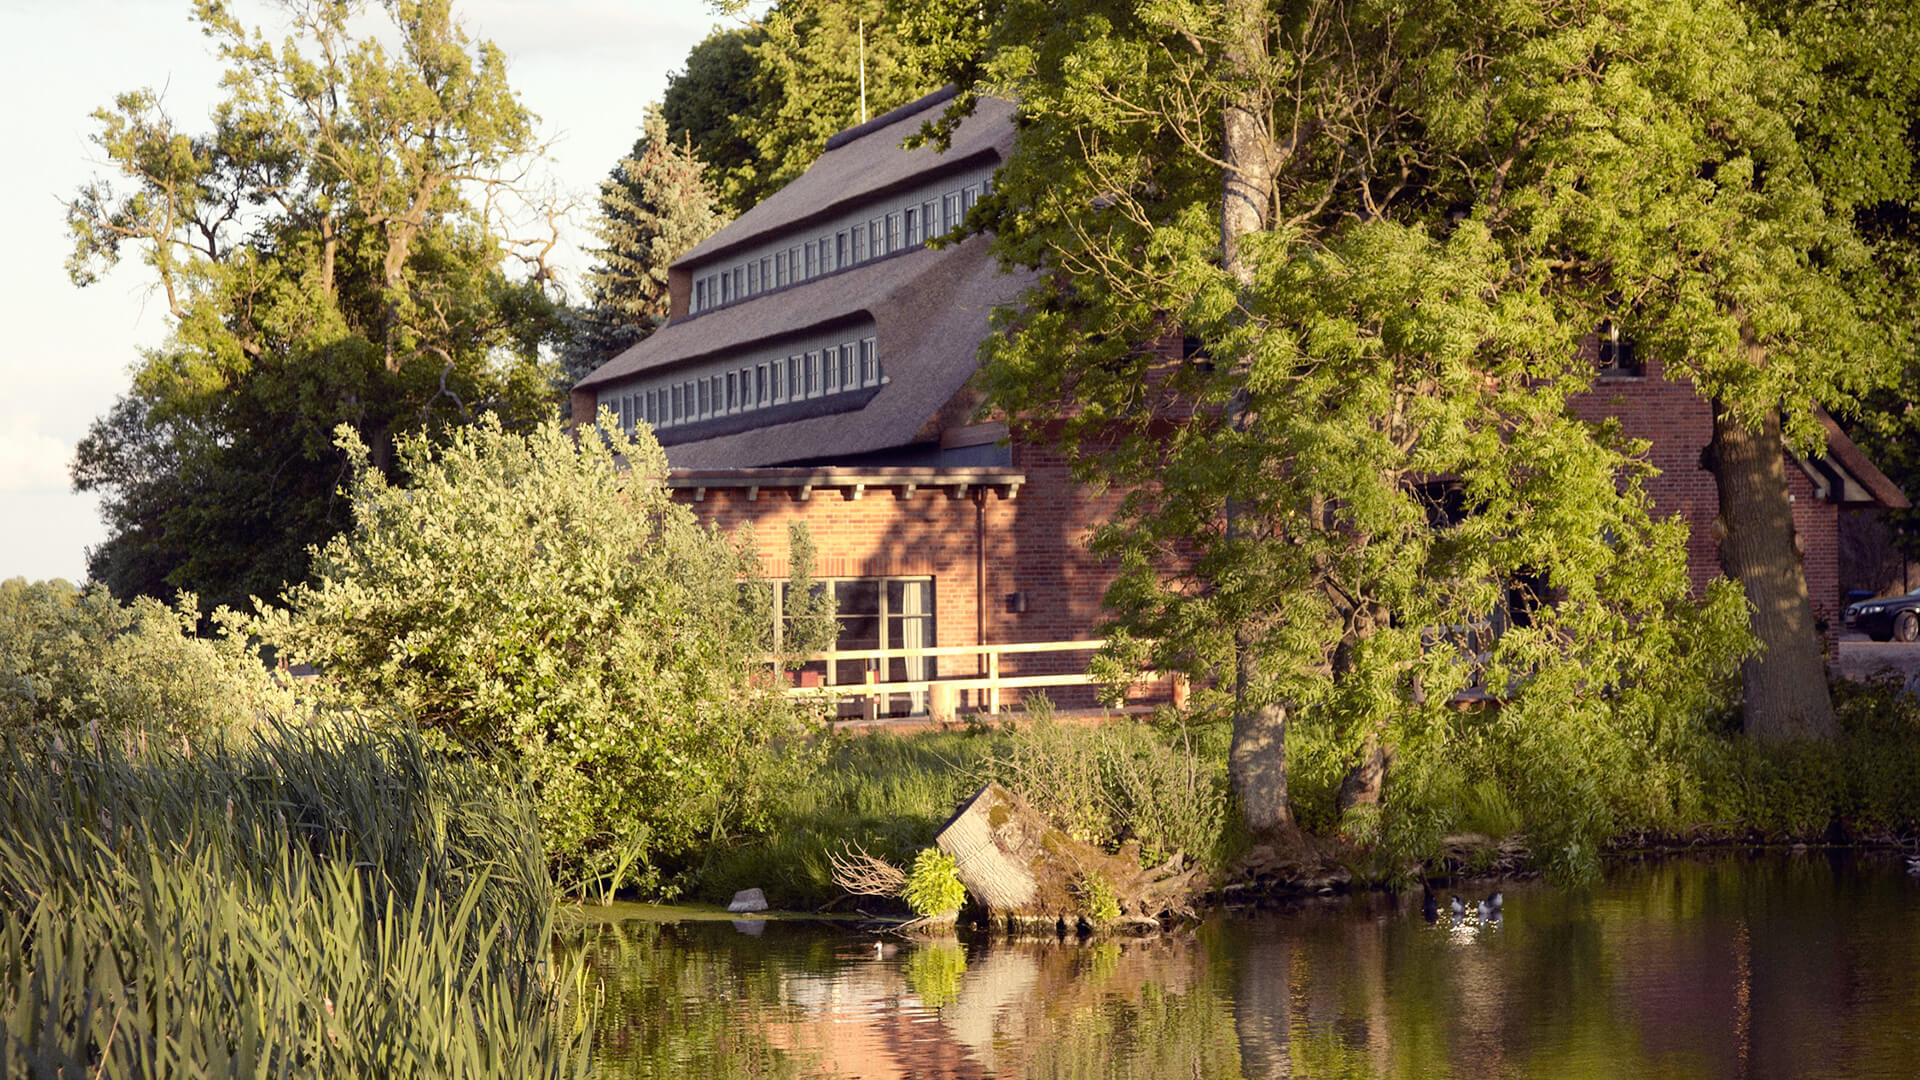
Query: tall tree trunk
x=1785 y=683
x=1257 y=759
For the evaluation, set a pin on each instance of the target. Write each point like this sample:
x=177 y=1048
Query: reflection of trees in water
x=1777 y=968
x=1134 y=1009
x=679 y=1002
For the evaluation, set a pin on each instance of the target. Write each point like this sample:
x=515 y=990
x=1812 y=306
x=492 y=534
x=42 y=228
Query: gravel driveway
x=1861 y=658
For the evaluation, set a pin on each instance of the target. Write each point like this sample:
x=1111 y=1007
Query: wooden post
x=993 y=683
x=871 y=710
x=940 y=703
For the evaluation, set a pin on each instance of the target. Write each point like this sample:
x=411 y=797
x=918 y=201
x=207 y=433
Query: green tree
x=759 y=102
x=654 y=207
x=325 y=256
x=1865 y=153
x=704 y=105
x=1385 y=234
x=550 y=601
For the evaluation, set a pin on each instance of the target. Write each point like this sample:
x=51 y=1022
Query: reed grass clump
x=316 y=901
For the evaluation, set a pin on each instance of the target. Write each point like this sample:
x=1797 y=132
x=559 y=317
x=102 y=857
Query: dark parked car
x=1892 y=618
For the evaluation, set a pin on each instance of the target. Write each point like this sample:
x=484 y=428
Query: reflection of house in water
x=862 y=1019
x=1022 y=1009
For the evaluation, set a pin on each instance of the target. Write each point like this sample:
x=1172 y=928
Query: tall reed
x=321 y=901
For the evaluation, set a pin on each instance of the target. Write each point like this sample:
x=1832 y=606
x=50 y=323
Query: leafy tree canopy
x=77 y=661
x=759 y=102
x=330 y=252
x=1385 y=233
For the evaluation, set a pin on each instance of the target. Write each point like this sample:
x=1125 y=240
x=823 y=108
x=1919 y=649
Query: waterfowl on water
x=1459 y=908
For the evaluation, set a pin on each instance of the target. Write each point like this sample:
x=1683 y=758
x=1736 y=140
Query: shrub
x=933 y=885
x=1118 y=782
x=550 y=600
x=1096 y=899
x=77 y=659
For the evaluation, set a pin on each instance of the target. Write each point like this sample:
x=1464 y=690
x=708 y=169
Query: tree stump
x=1032 y=876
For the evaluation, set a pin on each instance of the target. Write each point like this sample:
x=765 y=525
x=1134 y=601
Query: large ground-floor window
x=876 y=613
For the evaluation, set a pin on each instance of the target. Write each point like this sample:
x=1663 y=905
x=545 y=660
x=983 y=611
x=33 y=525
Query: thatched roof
x=929 y=307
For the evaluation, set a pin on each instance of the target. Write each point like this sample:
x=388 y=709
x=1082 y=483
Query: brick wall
x=1035 y=544
x=1679 y=423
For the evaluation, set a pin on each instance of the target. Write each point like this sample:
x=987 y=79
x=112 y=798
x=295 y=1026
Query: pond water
x=1767 y=966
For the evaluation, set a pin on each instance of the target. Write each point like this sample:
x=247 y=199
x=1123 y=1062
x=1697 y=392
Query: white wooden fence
x=943 y=694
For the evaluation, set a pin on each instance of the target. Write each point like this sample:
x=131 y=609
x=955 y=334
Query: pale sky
x=587 y=67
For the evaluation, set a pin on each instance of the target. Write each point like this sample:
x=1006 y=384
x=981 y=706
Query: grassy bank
x=1118 y=782
x=319 y=902
x=1165 y=788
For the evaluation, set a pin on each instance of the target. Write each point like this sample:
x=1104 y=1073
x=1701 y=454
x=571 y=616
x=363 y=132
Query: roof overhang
x=801 y=483
x=1845 y=476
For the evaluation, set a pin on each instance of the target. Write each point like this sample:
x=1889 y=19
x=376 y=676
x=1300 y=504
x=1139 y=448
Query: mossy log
x=1031 y=876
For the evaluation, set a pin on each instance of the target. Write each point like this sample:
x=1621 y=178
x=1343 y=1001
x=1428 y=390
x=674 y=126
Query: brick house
x=815 y=367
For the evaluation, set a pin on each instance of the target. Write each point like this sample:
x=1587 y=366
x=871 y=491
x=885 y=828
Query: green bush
x=1096 y=898
x=549 y=600
x=73 y=660
x=933 y=885
x=320 y=902
x=1117 y=782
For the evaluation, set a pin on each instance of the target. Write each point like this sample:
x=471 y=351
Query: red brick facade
x=1678 y=422
x=980 y=547
x=983 y=546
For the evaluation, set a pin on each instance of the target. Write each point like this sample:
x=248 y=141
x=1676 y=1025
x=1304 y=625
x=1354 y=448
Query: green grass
x=309 y=901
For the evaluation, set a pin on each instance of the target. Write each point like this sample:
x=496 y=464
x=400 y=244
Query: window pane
x=766 y=272
x=930 y=210
x=829 y=376
x=846 y=366
x=893 y=231
x=912 y=217
x=760 y=390
x=810 y=267
x=676 y=404
x=699 y=294
x=860 y=253
x=841 y=256
x=858 y=605
x=909 y=625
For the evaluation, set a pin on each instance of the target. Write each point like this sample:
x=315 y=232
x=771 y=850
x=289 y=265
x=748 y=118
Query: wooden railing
x=943 y=694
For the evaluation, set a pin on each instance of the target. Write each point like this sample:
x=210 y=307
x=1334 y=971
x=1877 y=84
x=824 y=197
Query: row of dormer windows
x=894 y=230
x=835 y=369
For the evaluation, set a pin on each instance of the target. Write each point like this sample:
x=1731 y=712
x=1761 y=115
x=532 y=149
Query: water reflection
x=1776 y=967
